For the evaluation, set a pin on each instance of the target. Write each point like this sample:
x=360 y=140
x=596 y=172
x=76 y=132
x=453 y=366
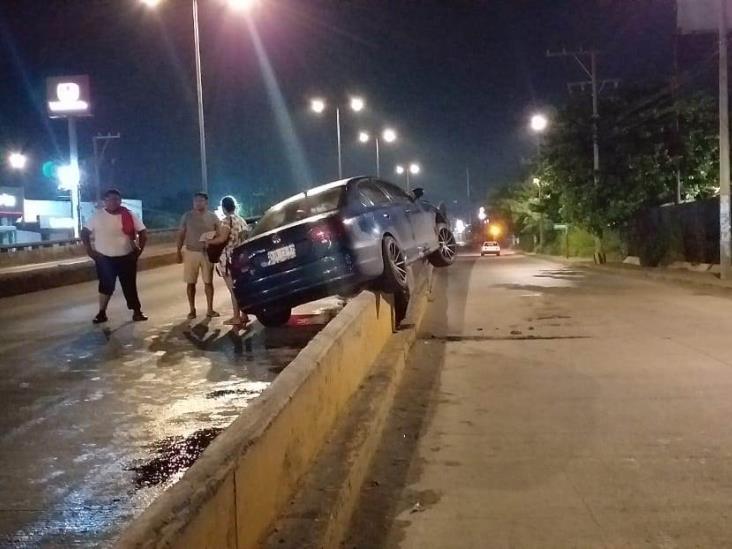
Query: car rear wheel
x=394 y=277
x=272 y=318
x=444 y=255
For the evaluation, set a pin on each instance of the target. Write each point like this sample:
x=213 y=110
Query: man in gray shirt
x=193 y=225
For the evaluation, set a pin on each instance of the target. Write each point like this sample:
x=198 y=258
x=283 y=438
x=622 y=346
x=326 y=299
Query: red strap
x=128 y=224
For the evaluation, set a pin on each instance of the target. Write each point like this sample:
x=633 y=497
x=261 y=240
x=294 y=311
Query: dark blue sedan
x=335 y=238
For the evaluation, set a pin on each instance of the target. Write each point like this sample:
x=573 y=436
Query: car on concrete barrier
x=490 y=248
x=336 y=238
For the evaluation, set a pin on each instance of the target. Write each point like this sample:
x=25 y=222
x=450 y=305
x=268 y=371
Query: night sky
x=457 y=78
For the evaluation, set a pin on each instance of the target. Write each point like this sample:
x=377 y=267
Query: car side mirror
x=418 y=193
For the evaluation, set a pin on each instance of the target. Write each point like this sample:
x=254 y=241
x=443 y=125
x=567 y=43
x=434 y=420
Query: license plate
x=280 y=254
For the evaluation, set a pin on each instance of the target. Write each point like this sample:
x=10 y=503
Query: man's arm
x=141 y=241
x=180 y=241
x=86 y=239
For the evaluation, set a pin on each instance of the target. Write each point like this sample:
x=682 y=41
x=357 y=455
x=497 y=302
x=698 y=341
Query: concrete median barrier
x=33 y=278
x=243 y=481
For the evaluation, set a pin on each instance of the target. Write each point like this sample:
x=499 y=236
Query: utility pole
x=98 y=157
x=467 y=190
x=725 y=238
x=597 y=86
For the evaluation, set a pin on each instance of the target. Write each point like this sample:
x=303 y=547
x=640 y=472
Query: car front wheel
x=444 y=255
x=271 y=318
x=394 y=277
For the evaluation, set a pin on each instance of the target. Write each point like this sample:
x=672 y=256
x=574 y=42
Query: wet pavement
x=98 y=421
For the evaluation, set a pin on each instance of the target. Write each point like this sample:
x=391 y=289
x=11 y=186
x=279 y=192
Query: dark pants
x=124 y=268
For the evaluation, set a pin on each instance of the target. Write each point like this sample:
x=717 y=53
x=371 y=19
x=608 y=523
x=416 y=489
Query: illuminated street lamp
x=539 y=123
x=236 y=5
x=412 y=169
x=356 y=104
x=389 y=135
x=17 y=161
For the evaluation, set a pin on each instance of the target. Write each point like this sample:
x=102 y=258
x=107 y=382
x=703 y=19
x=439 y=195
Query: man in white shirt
x=119 y=238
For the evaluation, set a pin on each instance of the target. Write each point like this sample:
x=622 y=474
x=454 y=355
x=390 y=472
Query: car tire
x=498 y=254
x=394 y=278
x=272 y=318
x=444 y=255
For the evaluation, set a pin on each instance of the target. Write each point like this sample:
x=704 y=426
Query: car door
x=389 y=216
x=420 y=218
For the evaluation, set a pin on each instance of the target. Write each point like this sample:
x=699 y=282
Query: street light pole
x=199 y=89
x=74 y=164
x=340 y=150
x=378 y=158
x=725 y=238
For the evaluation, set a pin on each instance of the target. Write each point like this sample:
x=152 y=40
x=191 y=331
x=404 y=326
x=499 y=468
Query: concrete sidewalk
x=23 y=279
x=550 y=406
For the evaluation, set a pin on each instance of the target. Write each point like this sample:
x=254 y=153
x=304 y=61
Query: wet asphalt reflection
x=116 y=416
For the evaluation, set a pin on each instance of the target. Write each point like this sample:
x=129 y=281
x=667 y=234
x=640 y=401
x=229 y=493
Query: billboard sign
x=11 y=201
x=701 y=15
x=68 y=96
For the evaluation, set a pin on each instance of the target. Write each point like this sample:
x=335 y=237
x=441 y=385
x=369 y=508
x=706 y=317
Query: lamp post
x=319 y=105
x=412 y=169
x=538 y=124
x=389 y=135
x=236 y=5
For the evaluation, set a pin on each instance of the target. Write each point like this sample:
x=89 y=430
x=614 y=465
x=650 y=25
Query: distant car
x=490 y=248
x=333 y=239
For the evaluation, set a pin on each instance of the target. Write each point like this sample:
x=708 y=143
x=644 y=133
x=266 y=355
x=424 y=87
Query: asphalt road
x=97 y=421
x=550 y=407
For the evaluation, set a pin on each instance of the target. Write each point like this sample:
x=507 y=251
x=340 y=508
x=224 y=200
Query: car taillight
x=326 y=233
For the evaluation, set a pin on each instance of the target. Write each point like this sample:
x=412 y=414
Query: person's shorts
x=195 y=262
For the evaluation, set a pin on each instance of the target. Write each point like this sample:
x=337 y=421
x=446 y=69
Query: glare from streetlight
x=68 y=177
x=390 y=135
x=481 y=214
x=400 y=170
x=415 y=168
x=539 y=123
x=364 y=137
x=151 y=3
x=357 y=104
x=240 y=5
x=317 y=105
x=17 y=161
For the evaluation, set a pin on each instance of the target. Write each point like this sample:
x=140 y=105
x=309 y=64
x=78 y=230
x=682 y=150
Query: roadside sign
x=700 y=15
x=68 y=96
x=11 y=201
x=560 y=226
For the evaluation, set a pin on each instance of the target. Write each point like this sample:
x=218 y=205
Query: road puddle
x=173 y=455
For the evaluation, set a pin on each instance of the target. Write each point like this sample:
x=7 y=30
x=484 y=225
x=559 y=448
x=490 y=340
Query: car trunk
x=297 y=245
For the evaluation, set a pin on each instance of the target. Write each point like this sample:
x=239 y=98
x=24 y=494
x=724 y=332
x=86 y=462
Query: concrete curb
x=234 y=492
x=321 y=513
x=55 y=276
x=678 y=276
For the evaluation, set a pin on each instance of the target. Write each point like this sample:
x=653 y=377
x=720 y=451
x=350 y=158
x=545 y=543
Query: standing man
x=193 y=225
x=119 y=239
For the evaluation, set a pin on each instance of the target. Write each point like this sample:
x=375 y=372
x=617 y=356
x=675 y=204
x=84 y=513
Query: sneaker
x=100 y=318
x=138 y=317
x=192 y=315
x=212 y=314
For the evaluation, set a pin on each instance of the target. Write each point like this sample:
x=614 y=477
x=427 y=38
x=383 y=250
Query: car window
x=373 y=194
x=299 y=207
x=394 y=192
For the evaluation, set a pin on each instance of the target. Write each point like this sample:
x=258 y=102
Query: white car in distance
x=490 y=248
